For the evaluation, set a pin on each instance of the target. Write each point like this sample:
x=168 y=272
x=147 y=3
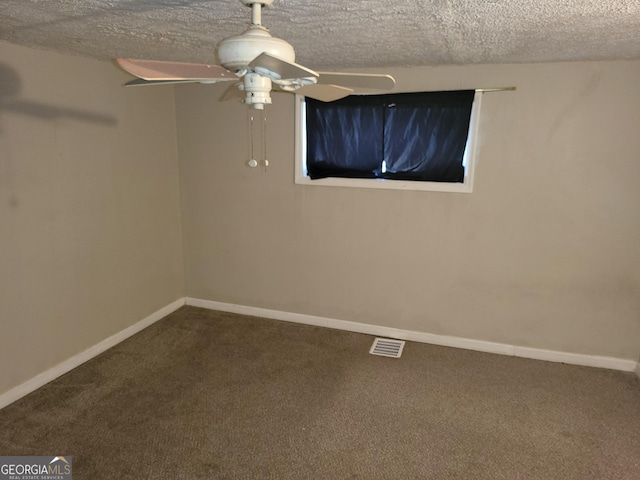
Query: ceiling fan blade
x=139 y=82
x=281 y=67
x=358 y=80
x=324 y=93
x=156 y=70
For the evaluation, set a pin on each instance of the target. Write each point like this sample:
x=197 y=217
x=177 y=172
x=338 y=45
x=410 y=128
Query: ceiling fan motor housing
x=236 y=52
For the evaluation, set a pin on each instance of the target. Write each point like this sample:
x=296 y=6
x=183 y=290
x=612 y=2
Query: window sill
x=386 y=184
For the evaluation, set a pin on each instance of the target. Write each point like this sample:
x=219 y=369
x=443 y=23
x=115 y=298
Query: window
x=416 y=141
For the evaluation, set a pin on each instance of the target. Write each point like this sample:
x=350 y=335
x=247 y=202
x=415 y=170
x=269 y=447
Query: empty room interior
x=168 y=310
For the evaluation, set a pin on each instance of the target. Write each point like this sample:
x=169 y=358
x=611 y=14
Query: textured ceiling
x=335 y=34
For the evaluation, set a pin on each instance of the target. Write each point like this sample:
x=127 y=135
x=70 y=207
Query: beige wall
x=90 y=238
x=544 y=253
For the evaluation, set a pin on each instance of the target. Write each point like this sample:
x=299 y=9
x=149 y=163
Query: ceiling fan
x=257 y=62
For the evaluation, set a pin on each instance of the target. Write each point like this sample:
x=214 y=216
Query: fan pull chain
x=264 y=141
x=252 y=134
x=252 y=161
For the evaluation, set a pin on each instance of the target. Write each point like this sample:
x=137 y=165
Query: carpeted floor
x=210 y=395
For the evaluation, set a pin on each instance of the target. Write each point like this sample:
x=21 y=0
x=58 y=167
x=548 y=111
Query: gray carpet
x=210 y=395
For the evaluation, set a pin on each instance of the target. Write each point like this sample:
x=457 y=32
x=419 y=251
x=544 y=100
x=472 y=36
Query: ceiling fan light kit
x=258 y=63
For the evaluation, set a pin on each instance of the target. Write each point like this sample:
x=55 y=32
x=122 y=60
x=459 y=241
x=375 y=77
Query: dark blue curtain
x=344 y=138
x=419 y=136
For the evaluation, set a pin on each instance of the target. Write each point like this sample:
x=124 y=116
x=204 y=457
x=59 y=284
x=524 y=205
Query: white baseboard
x=611 y=363
x=77 y=360
x=443 y=340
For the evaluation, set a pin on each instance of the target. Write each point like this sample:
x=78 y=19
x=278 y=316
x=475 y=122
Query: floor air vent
x=387 y=347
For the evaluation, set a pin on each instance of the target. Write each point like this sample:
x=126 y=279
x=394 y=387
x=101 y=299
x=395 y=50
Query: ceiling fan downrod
x=256 y=9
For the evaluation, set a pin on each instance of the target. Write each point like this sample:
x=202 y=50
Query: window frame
x=469 y=161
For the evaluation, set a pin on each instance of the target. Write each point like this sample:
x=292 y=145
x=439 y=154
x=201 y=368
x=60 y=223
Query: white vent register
x=387 y=347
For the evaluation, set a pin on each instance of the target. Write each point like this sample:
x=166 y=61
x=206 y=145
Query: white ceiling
x=335 y=34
